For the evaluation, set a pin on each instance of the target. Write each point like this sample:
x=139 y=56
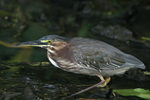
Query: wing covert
x=98 y=58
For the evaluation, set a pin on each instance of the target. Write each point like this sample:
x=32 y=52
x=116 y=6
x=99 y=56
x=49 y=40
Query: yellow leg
x=102 y=79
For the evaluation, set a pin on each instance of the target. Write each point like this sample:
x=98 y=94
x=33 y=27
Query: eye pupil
x=49 y=41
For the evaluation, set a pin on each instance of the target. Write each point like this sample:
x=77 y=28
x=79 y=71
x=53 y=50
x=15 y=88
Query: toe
x=102 y=85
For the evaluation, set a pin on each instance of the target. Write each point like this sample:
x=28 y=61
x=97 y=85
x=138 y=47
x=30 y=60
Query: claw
x=106 y=80
x=102 y=85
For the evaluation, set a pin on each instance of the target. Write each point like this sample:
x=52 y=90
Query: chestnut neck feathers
x=60 y=50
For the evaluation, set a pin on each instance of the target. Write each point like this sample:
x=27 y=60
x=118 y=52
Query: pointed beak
x=35 y=43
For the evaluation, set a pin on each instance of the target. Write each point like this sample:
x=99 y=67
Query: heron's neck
x=59 y=50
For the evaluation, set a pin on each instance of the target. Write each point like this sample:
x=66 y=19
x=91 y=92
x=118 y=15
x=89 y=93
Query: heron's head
x=48 y=42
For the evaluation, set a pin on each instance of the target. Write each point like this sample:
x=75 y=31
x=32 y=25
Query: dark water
x=26 y=74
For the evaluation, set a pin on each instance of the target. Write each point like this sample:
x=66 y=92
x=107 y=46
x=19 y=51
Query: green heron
x=86 y=56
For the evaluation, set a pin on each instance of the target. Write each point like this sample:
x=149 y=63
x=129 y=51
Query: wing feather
x=97 y=56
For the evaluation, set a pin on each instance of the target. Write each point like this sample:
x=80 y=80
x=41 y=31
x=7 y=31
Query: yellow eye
x=49 y=41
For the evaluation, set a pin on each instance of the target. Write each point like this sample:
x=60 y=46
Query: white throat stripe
x=53 y=62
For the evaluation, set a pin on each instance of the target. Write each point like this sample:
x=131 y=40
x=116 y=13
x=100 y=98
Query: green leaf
x=146 y=38
x=146 y=73
x=142 y=93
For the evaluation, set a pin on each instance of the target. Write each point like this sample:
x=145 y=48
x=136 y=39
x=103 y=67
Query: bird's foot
x=105 y=82
x=102 y=85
